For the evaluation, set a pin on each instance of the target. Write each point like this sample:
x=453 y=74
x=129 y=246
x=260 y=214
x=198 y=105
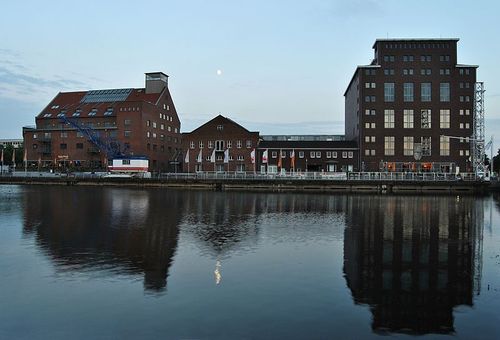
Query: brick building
x=403 y=108
x=307 y=155
x=143 y=120
x=219 y=137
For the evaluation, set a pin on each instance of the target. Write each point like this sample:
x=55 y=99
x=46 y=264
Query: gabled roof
x=222 y=119
x=97 y=99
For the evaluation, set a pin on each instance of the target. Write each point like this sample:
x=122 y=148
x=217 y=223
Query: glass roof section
x=98 y=96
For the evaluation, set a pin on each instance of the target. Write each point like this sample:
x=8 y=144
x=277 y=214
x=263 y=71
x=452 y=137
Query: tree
x=496 y=162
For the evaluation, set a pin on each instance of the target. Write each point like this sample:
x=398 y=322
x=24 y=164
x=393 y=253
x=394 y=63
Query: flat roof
x=414 y=40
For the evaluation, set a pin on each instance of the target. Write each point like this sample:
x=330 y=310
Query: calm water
x=81 y=263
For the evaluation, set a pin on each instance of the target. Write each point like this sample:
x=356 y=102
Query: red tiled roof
x=70 y=101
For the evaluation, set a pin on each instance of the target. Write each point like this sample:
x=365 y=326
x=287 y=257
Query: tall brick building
x=143 y=120
x=216 y=137
x=403 y=108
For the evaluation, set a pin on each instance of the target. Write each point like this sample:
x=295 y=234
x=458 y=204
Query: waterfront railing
x=312 y=176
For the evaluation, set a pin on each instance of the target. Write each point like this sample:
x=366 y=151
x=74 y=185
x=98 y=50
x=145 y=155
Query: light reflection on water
x=263 y=265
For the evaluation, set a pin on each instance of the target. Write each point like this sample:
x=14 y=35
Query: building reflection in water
x=115 y=231
x=224 y=222
x=413 y=259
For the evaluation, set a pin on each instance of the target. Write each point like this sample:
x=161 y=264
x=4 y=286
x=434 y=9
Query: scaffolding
x=477 y=143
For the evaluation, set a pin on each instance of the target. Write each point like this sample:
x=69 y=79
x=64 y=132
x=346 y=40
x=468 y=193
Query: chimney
x=156 y=82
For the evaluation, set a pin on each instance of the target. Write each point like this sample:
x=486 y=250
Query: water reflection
x=117 y=231
x=231 y=222
x=413 y=259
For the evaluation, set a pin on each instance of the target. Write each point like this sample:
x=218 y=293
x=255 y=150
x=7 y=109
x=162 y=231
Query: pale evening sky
x=285 y=64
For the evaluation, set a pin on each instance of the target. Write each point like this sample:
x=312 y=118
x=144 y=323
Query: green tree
x=496 y=162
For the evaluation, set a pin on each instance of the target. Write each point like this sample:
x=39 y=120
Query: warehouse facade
x=411 y=109
x=143 y=121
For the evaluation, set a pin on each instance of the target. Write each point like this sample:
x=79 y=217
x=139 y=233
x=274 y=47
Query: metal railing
x=312 y=176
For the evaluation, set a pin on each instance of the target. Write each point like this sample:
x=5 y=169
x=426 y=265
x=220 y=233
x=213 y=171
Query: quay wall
x=273 y=185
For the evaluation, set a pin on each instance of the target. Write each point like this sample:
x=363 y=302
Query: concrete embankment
x=271 y=185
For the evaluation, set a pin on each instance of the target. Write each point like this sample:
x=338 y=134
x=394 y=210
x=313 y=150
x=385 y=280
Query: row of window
x=78 y=113
x=416 y=45
x=372 y=112
x=409 y=92
x=409 y=71
x=425 y=119
x=410 y=58
x=220 y=145
x=153 y=125
x=410 y=147
x=314 y=154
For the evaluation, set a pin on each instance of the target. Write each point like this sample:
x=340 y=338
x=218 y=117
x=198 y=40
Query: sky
x=284 y=65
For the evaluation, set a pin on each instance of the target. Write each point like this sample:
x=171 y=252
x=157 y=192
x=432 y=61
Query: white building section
x=129 y=165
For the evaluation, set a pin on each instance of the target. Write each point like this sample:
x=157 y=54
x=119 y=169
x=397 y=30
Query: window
x=369 y=99
x=350 y=154
x=148 y=123
x=93 y=112
x=367 y=152
x=200 y=144
x=148 y=134
x=63 y=146
x=444 y=92
x=127 y=122
x=301 y=154
x=249 y=143
x=367 y=139
x=127 y=133
x=408 y=92
x=210 y=144
x=283 y=154
x=408 y=145
x=191 y=145
x=372 y=125
x=425 y=119
x=109 y=111
x=219 y=145
x=64 y=134
x=426 y=146
x=77 y=113
x=162 y=126
x=220 y=127
x=388 y=92
x=328 y=154
x=408 y=119
x=334 y=154
x=389 y=145
x=444 y=119
x=241 y=158
x=389 y=119
x=125 y=161
x=312 y=154
x=444 y=146
x=274 y=154
x=154 y=125
x=318 y=154
x=344 y=154
x=389 y=71
x=79 y=145
x=238 y=144
x=369 y=112
x=372 y=152
x=425 y=92
x=229 y=144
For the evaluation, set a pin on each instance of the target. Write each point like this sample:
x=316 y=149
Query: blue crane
x=109 y=146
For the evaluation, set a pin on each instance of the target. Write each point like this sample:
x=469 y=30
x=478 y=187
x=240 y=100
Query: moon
x=219 y=72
